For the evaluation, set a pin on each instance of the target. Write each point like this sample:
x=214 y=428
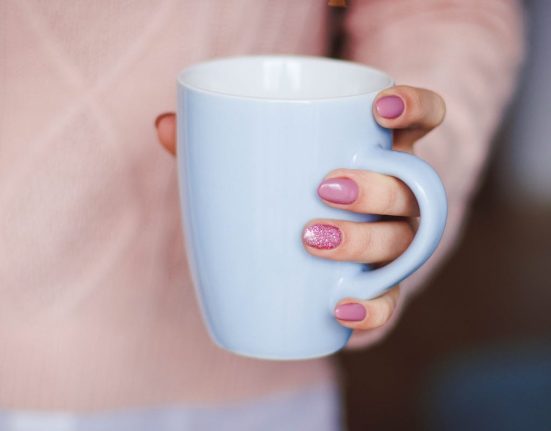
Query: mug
x=256 y=136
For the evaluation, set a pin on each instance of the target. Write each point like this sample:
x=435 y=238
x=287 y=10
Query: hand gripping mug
x=256 y=136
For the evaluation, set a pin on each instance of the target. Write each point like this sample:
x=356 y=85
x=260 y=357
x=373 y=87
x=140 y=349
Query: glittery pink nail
x=324 y=236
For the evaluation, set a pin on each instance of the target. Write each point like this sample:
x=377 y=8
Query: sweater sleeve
x=470 y=52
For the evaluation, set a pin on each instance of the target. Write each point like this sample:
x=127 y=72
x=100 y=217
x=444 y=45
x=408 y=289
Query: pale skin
x=373 y=243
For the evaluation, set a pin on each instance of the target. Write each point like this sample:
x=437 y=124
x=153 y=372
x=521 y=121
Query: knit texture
x=97 y=310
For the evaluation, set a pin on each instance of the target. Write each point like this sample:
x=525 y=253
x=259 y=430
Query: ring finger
x=363 y=242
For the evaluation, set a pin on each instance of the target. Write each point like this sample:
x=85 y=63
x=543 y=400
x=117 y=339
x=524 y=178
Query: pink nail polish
x=352 y=311
x=390 y=106
x=323 y=236
x=338 y=190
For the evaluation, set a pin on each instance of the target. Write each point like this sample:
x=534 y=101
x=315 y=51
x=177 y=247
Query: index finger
x=413 y=111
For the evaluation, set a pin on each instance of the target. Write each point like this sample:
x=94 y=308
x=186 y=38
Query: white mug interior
x=287 y=77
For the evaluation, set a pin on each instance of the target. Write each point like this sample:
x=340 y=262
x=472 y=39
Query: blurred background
x=473 y=351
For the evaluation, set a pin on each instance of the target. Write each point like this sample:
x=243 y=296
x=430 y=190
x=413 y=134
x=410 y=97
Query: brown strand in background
x=337 y=3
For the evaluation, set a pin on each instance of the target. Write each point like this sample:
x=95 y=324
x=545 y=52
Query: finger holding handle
x=429 y=191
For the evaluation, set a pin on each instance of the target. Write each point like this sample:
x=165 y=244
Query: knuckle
x=357 y=245
x=425 y=107
x=381 y=310
x=352 y=250
x=405 y=234
x=414 y=104
x=392 y=297
x=416 y=97
x=368 y=241
x=385 y=309
x=380 y=317
x=389 y=199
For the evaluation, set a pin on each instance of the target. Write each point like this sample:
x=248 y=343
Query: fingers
x=166 y=131
x=357 y=242
x=363 y=314
x=367 y=192
x=412 y=112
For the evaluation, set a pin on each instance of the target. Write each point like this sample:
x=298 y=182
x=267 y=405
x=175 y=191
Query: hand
x=412 y=112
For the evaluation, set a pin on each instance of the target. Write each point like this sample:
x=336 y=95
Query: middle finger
x=368 y=192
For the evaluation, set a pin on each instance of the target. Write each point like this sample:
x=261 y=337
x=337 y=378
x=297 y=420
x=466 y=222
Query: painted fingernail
x=338 y=190
x=323 y=236
x=390 y=106
x=352 y=311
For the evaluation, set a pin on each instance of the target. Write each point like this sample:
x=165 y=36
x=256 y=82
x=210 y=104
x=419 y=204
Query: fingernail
x=352 y=311
x=160 y=117
x=338 y=190
x=390 y=106
x=324 y=236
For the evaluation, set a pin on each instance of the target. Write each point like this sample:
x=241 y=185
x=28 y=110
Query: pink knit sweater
x=96 y=306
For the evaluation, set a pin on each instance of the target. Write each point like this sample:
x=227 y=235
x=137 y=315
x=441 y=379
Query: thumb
x=166 y=131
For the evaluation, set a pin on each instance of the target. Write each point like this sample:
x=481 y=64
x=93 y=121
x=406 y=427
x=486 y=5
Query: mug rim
x=183 y=76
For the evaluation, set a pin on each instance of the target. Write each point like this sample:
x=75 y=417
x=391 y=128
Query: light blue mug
x=256 y=136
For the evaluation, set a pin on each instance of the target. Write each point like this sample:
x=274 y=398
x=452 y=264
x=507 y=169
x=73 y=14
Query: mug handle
x=429 y=191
